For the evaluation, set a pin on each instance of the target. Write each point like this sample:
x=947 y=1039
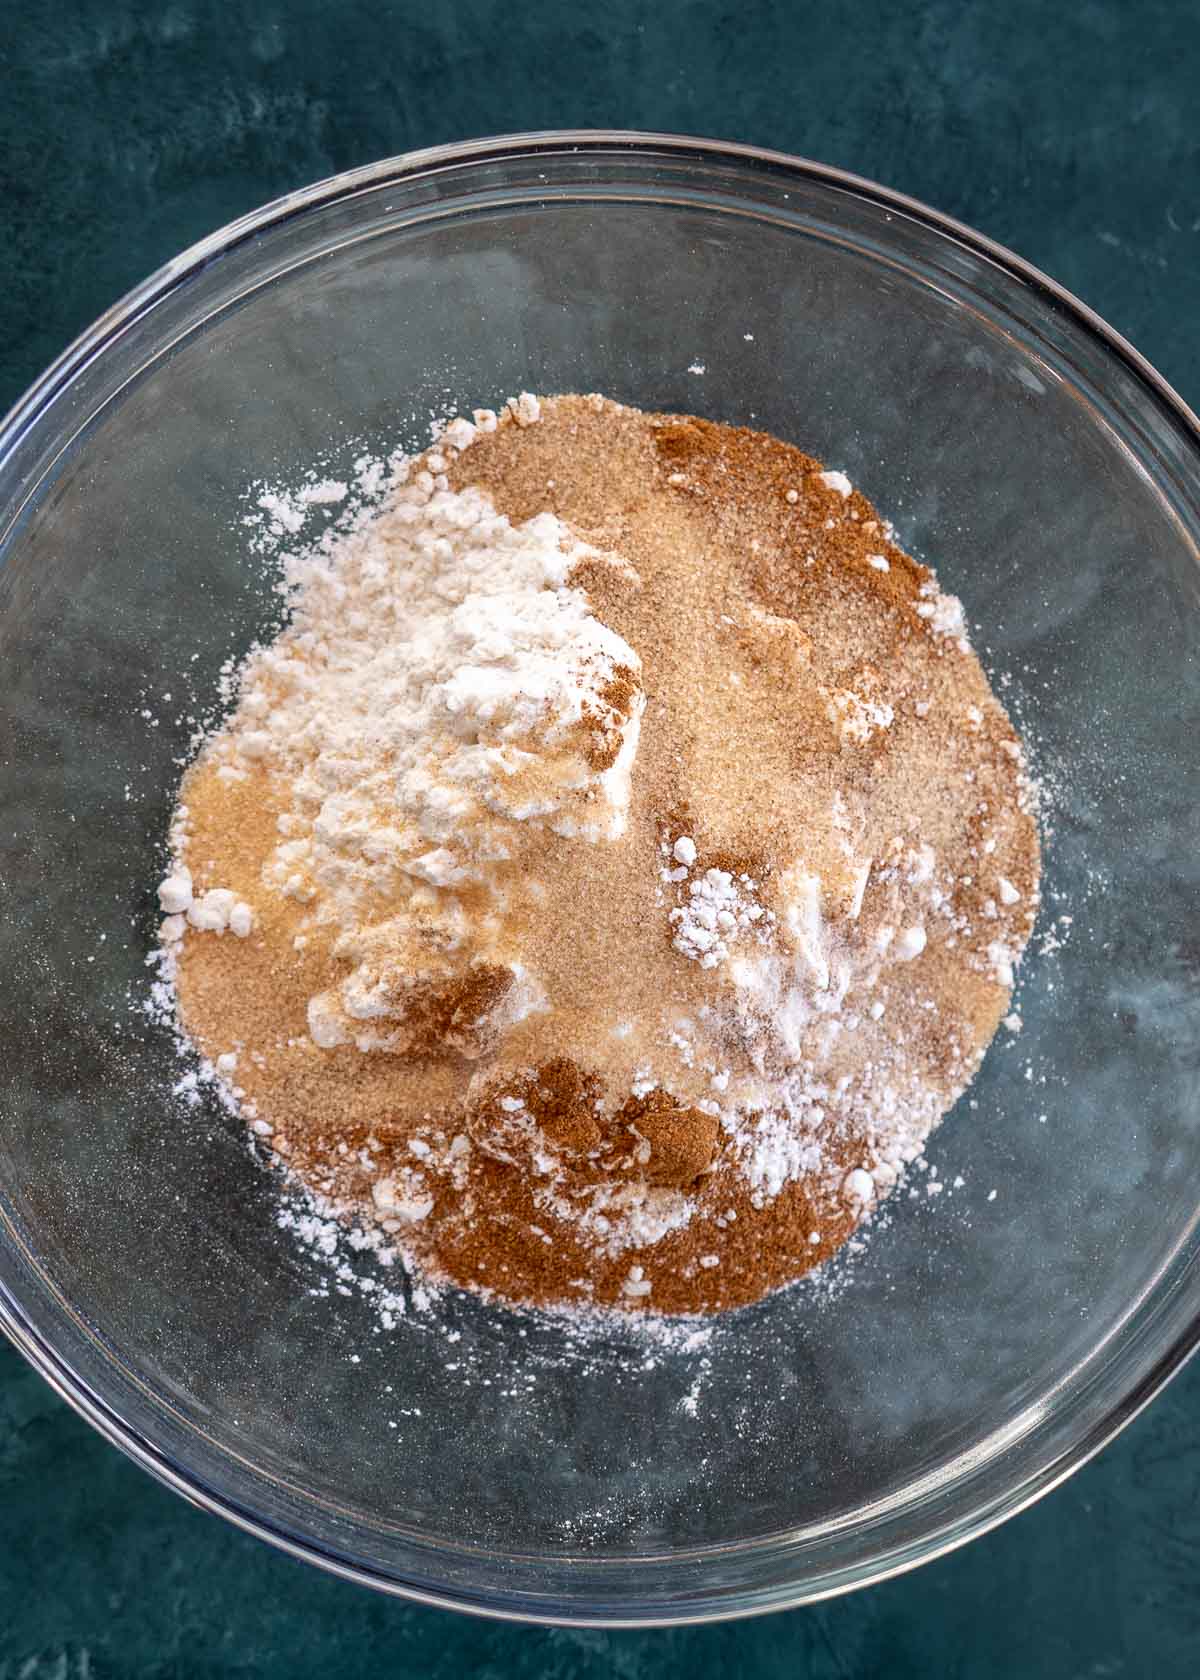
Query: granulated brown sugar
x=616 y=868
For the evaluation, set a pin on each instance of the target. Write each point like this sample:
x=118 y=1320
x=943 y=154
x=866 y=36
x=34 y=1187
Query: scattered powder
x=287 y=512
x=717 y=912
x=613 y=871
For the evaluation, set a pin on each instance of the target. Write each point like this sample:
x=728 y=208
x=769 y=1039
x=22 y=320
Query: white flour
x=438 y=685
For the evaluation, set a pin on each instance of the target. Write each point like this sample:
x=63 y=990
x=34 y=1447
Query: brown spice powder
x=770 y=613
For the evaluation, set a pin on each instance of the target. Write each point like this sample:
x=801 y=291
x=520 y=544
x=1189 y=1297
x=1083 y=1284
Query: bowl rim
x=92 y=342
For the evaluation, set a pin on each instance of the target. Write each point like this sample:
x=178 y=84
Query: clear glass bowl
x=979 y=1349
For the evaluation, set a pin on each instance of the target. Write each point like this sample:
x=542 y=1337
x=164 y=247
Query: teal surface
x=128 y=130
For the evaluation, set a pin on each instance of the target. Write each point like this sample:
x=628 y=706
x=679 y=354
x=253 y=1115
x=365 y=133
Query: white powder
x=619 y=1216
x=175 y=892
x=855 y=718
x=777 y=1146
x=1002 y=959
x=287 y=510
x=718 y=909
x=213 y=911
x=525 y=409
x=438 y=686
x=909 y=943
x=859 y=1185
x=944 y=613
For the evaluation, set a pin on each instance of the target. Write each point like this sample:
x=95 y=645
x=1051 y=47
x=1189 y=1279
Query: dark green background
x=1071 y=133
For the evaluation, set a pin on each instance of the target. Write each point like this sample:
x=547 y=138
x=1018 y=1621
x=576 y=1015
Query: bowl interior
x=985 y=1335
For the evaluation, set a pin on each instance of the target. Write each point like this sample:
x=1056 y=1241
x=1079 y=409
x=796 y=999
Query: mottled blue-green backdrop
x=129 y=128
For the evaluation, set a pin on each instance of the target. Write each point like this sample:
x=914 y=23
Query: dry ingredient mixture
x=615 y=868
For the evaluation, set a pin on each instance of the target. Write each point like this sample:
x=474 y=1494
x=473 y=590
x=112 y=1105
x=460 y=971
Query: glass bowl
x=980 y=1346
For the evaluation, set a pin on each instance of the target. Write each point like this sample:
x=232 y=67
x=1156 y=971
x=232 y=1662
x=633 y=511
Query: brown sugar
x=664 y=972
